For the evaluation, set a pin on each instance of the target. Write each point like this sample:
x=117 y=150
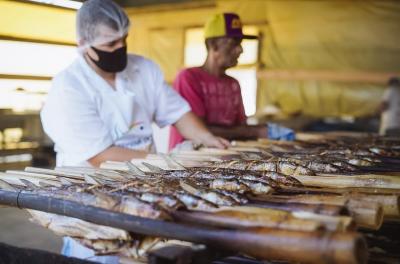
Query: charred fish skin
x=229 y=185
x=88 y=199
x=206 y=194
x=384 y=152
x=134 y=206
x=264 y=179
x=284 y=167
x=322 y=167
x=240 y=199
x=102 y=199
x=165 y=201
x=257 y=187
x=313 y=165
x=344 y=165
x=283 y=179
x=360 y=162
x=289 y=168
x=257 y=165
x=195 y=203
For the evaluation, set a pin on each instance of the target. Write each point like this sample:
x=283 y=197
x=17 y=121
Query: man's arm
x=240 y=132
x=116 y=154
x=191 y=127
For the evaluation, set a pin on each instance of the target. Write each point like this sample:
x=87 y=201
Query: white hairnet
x=99 y=22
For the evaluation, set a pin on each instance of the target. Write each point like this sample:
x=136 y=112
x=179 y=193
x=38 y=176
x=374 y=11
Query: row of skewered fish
x=274 y=194
x=160 y=194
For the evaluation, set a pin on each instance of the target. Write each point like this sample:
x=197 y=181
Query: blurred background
x=317 y=66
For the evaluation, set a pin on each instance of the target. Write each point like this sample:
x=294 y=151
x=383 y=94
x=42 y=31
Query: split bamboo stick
x=16 y=179
x=366 y=213
x=262 y=243
x=350 y=181
x=332 y=223
x=237 y=219
x=389 y=203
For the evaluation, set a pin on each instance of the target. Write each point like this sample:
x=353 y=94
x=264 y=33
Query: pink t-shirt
x=217 y=100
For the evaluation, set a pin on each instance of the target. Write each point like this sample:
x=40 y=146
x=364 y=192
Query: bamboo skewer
x=41 y=176
x=73 y=175
x=390 y=203
x=322 y=209
x=332 y=223
x=19 y=180
x=349 y=181
x=240 y=220
x=338 y=191
x=366 y=213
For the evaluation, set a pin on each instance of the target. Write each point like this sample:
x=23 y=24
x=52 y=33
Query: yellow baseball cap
x=225 y=25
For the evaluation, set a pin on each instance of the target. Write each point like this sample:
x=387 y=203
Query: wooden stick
x=263 y=243
x=244 y=149
x=42 y=176
x=349 y=181
x=15 y=179
x=368 y=214
x=337 y=223
x=333 y=190
x=219 y=151
x=73 y=175
x=237 y=219
x=323 y=209
x=390 y=203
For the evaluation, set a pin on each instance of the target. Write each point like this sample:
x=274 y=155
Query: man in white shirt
x=102 y=106
x=390 y=117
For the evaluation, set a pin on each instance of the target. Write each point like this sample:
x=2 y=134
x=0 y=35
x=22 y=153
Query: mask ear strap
x=90 y=57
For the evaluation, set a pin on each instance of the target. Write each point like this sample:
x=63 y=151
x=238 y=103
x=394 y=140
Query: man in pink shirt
x=216 y=97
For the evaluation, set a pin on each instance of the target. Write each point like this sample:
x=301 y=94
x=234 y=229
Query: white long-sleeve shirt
x=83 y=115
x=390 y=118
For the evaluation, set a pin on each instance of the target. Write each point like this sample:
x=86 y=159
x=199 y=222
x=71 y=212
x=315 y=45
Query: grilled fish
x=284 y=167
x=164 y=200
x=206 y=194
x=195 y=203
x=281 y=178
x=240 y=199
x=119 y=203
x=257 y=187
x=229 y=185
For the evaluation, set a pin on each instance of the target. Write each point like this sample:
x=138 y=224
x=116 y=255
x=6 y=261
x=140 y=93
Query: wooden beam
x=327 y=75
x=25 y=77
x=40 y=41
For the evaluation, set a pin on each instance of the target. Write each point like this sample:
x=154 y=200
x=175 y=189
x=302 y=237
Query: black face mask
x=114 y=61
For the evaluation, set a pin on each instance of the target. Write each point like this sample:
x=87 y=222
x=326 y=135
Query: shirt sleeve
x=188 y=87
x=241 y=116
x=169 y=105
x=386 y=95
x=71 y=120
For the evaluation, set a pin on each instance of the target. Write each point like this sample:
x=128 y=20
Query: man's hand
x=192 y=128
x=217 y=142
x=114 y=153
x=383 y=106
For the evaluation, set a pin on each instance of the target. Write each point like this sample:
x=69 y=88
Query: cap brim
x=243 y=36
x=249 y=37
